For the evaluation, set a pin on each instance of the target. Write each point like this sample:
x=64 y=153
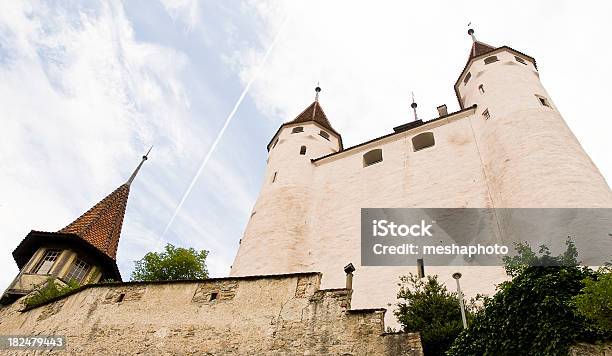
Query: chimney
x=349 y=269
x=442 y=110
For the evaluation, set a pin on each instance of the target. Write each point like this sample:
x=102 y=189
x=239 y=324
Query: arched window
x=423 y=140
x=297 y=129
x=324 y=134
x=303 y=150
x=372 y=157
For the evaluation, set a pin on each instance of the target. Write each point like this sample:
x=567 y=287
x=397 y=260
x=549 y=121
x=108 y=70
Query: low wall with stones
x=280 y=314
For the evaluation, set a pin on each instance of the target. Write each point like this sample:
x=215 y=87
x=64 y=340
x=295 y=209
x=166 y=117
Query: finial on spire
x=414 y=106
x=471 y=33
x=317 y=90
x=144 y=158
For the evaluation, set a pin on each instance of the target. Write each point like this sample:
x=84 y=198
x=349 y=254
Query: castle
x=507 y=146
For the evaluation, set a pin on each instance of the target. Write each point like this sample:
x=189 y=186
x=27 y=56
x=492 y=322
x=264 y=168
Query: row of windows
x=78 y=270
x=489 y=60
x=542 y=100
x=299 y=129
x=419 y=142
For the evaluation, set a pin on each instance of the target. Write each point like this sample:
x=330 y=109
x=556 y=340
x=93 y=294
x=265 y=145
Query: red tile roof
x=479 y=48
x=101 y=225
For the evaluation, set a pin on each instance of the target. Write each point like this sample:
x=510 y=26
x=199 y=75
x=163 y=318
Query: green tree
x=595 y=300
x=48 y=291
x=429 y=308
x=532 y=314
x=174 y=263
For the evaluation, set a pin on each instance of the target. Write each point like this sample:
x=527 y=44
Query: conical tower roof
x=479 y=48
x=314 y=112
x=101 y=225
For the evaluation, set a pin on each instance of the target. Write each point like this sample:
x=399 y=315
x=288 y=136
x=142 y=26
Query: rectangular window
x=481 y=89
x=467 y=78
x=46 y=263
x=274 y=177
x=543 y=101
x=486 y=114
x=520 y=60
x=78 y=270
x=490 y=60
x=324 y=134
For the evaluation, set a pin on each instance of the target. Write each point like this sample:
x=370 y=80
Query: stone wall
x=280 y=314
x=584 y=349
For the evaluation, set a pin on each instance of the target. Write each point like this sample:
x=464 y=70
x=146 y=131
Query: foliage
x=429 y=308
x=48 y=291
x=595 y=300
x=531 y=314
x=174 y=263
x=527 y=258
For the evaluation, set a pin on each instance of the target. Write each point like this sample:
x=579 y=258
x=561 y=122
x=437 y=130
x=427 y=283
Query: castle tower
x=529 y=155
x=85 y=251
x=279 y=219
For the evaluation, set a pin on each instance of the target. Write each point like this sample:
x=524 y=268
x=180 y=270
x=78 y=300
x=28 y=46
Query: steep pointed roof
x=101 y=225
x=314 y=112
x=479 y=48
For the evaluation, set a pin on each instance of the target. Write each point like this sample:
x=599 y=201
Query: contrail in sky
x=220 y=134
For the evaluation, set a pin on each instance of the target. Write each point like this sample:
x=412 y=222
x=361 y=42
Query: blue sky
x=86 y=87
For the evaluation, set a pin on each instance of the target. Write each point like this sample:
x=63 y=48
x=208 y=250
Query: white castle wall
x=523 y=156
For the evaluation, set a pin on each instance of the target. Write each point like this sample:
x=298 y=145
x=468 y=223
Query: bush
x=533 y=313
x=48 y=291
x=429 y=308
x=595 y=300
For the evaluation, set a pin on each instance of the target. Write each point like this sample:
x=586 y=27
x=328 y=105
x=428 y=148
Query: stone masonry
x=270 y=315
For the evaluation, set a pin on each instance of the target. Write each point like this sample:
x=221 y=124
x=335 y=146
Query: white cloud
x=369 y=57
x=81 y=100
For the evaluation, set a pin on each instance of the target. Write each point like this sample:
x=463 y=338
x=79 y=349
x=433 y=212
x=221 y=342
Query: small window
x=274 y=177
x=490 y=60
x=324 y=134
x=481 y=89
x=467 y=78
x=520 y=60
x=486 y=114
x=303 y=150
x=78 y=271
x=372 y=157
x=275 y=142
x=213 y=296
x=423 y=140
x=297 y=129
x=543 y=101
x=46 y=263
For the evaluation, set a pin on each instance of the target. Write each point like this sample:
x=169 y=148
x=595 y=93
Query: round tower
x=274 y=239
x=530 y=156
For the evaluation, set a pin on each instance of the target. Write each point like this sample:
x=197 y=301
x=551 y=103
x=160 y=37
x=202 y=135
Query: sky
x=87 y=87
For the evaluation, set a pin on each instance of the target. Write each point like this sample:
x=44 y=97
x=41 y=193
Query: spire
x=101 y=225
x=314 y=112
x=414 y=107
x=317 y=90
x=144 y=158
x=478 y=48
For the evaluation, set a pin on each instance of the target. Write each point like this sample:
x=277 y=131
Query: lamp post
x=456 y=276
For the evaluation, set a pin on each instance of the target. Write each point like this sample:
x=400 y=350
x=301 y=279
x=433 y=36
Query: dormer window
x=78 y=271
x=324 y=134
x=297 y=129
x=520 y=60
x=372 y=157
x=490 y=60
x=46 y=263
